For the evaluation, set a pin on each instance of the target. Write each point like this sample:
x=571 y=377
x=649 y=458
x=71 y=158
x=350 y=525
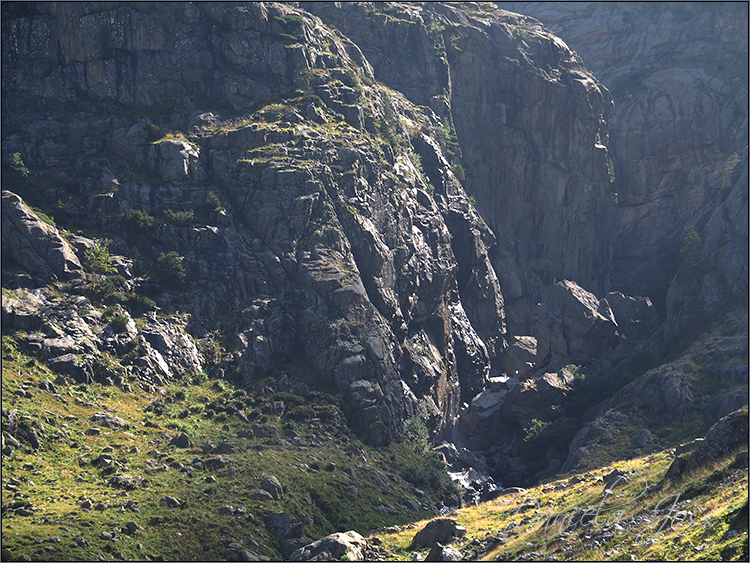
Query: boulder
x=440 y=530
x=109 y=421
x=265 y=430
x=443 y=553
x=539 y=397
x=636 y=316
x=290 y=545
x=171 y=502
x=588 y=325
x=728 y=433
x=126 y=481
x=335 y=547
x=284 y=526
x=181 y=441
x=261 y=495
x=273 y=487
x=216 y=462
x=36 y=245
x=520 y=358
x=674 y=472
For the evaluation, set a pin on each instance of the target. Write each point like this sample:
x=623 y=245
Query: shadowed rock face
x=680 y=112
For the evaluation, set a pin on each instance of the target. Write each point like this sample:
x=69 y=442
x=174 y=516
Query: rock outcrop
x=36 y=245
x=333 y=224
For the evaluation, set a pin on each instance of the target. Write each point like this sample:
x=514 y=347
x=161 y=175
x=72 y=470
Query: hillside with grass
x=624 y=512
x=108 y=474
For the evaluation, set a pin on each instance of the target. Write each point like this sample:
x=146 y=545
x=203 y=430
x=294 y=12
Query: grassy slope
x=58 y=477
x=707 y=511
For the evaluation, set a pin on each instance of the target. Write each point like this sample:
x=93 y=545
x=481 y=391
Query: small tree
x=97 y=259
x=17 y=165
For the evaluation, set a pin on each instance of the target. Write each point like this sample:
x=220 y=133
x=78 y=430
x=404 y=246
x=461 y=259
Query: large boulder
x=36 y=245
x=284 y=526
x=588 y=325
x=440 y=530
x=539 y=397
x=727 y=433
x=335 y=547
x=636 y=316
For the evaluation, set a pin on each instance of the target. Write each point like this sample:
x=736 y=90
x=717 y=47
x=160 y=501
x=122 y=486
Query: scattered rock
x=443 y=553
x=335 y=547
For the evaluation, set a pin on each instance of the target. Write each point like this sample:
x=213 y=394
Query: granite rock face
x=36 y=245
x=677 y=121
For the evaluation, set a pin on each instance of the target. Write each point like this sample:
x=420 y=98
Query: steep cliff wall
x=679 y=126
x=531 y=124
x=250 y=144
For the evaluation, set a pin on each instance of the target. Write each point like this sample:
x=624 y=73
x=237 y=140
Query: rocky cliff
x=678 y=129
x=415 y=202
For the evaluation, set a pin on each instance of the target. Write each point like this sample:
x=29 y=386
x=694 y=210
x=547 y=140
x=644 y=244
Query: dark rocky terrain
x=455 y=226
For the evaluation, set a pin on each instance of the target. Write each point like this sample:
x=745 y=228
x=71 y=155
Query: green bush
x=17 y=165
x=294 y=19
x=136 y=221
x=169 y=268
x=458 y=172
x=97 y=259
x=180 y=218
x=732 y=171
x=108 y=289
x=119 y=322
x=691 y=258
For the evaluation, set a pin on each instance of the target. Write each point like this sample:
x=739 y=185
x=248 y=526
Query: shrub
x=691 y=258
x=119 y=323
x=169 y=268
x=108 y=289
x=212 y=203
x=97 y=259
x=180 y=218
x=294 y=19
x=136 y=221
x=458 y=172
x=17 y=165
x=731 y=173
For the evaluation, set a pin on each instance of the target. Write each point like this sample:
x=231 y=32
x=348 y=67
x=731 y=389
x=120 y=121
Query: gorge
x=516 y=243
